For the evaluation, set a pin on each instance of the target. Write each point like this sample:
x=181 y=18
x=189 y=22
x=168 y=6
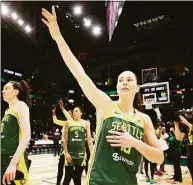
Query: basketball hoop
x=148 y=103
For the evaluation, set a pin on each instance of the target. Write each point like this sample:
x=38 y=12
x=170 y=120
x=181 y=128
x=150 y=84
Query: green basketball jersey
x=115 y=165
x=10 y=132
x=76 y=139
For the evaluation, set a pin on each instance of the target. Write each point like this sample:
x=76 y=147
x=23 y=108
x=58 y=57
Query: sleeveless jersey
x=10 y=132
x=76 y=139
x=115 y=165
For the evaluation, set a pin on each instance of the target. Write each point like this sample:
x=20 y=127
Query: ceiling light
x=4 y=9
x=28 y=28
x=96 y=30
x=20 y=22
x=87 y=22
x=71 y=101
x=14 y=15
x=77 y=10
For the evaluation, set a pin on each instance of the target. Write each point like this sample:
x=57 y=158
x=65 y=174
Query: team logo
x=116 y=157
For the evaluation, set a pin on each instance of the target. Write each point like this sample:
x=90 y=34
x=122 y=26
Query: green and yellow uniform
x=62 y=123
x=112 y=165
x=10 y=137
x=76 y=143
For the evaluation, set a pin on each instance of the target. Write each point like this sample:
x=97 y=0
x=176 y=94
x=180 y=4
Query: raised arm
x=22 y=111
x=66 y=114
x=89 y=138
x=98 y=98
x=185 y=121
x=55 y=120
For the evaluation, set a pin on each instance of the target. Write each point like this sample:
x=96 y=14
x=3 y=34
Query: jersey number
x=126 y=150
x=76 y=133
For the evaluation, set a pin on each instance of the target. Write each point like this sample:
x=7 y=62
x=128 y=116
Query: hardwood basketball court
x=43 y=171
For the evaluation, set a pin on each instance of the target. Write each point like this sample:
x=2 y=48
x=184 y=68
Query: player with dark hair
x=69 y=116
x=121 y=129
x=75 y=133
x=15 y=133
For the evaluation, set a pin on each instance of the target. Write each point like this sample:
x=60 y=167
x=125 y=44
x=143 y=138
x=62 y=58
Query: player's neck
x=77 y=119
x=126 y=105
x=13 y=102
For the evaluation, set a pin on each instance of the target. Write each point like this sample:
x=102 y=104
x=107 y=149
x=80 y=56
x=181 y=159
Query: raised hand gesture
x=53 y=110
x=183 y=120
x=61 y=104
x=51 y=22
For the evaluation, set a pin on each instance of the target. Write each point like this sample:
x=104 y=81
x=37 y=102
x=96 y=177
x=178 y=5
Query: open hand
x=121 y=139
x=53 y=110
x=51 y=22
x=183 y=120
x=61 y=104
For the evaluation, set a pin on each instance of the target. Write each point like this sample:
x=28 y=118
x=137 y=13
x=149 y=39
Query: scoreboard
x=157 y=93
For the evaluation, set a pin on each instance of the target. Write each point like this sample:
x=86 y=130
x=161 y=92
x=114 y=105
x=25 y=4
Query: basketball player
x=68 y=116
x=74 y=147
x=15 y=133
x=121 y=129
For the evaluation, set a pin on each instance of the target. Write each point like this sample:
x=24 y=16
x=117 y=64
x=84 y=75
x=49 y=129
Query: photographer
x=190 y=141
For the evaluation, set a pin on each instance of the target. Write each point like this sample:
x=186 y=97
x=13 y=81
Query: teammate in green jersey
x=68 y=115
x=15 y=133
x=75 y=133
x=121 y=129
